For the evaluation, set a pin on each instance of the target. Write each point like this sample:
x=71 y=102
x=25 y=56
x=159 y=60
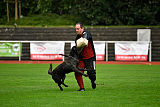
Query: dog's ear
x=50 y=70
x=74 y=52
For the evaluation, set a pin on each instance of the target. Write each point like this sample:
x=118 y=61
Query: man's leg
x=79 y=76
x=91 y=65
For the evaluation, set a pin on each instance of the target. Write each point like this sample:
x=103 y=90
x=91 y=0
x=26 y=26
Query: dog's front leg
x=82 y=69
x=78 y=71
x=65 y=85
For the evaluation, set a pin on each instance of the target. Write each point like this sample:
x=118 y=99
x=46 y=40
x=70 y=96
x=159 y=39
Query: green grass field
x=29 y=85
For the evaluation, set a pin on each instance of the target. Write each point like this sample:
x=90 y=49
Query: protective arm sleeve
x=82 y=42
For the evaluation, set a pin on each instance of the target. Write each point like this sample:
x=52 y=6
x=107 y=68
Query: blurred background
x=107 y=20
x=90 y=12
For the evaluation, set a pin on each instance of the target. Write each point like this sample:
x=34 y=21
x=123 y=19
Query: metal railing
x=106 y=45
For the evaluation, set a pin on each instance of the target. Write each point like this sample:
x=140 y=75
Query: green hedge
x=93 y=12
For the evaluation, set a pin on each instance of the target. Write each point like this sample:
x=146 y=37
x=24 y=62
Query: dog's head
x=74 y=52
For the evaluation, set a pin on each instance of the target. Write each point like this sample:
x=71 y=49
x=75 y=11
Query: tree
x=93 y=12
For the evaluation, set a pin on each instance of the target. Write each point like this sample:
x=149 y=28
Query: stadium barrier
x=106 y=45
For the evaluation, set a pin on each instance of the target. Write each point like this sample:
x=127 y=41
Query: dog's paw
x=66 y=85
x=86 y=69
x=85 y=75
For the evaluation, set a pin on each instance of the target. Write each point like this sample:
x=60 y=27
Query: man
x=87 y=55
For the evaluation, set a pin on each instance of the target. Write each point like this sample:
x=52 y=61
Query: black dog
x=69 y=65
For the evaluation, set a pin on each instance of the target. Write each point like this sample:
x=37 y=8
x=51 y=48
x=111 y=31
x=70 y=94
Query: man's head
x=79 y=28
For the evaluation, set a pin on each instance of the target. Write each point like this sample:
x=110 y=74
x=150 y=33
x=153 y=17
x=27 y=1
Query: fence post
x=106 y=50
x=150 y=51
x=19 y=50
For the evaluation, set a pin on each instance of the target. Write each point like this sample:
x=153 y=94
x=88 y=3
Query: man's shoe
x=93 y=84
x=82 y=89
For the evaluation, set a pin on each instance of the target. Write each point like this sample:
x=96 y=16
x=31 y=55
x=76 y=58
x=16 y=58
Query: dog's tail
x=64 y=55
x=50 y=70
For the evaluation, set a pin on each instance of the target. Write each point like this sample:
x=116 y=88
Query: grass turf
x=29 y=85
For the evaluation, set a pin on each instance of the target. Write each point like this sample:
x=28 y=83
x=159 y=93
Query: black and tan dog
x=69 y=65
